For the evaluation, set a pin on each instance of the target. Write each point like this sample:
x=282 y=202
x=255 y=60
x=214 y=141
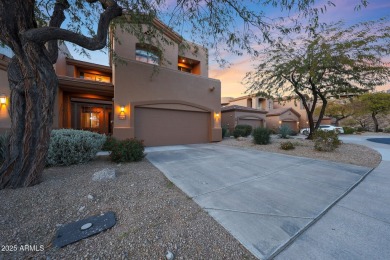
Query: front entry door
x=92 y=117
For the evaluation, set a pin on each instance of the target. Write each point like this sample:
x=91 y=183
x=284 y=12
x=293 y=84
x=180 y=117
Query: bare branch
x=43 y=35
x=56 y=20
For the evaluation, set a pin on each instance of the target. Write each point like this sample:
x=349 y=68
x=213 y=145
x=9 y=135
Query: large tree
x=338 y=110
x=328 y=61
x=32 y=30
x=374 y=104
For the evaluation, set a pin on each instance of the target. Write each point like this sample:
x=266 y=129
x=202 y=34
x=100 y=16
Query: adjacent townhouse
x=160 y=94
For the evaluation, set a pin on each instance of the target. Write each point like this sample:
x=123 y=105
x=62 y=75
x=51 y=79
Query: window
x=188 y=65
x=147 y=53
x=95 y=77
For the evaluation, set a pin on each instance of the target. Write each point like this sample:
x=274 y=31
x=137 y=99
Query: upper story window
x=188 y=65
x=95 y=77
x=147 y=53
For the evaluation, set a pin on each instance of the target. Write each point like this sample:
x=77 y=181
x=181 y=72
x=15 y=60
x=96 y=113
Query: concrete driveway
x=265 y=200
x=358 y=226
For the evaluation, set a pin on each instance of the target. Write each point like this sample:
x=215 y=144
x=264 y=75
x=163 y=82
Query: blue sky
x=231 y=77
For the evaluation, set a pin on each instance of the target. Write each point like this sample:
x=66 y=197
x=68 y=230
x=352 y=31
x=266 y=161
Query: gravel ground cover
x=345 y=153
x=153 y=216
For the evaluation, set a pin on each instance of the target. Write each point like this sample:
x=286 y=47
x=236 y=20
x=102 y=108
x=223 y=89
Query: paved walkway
x=358 y=226
x=267 y=200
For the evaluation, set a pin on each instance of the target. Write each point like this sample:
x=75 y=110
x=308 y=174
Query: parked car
x=337 y=129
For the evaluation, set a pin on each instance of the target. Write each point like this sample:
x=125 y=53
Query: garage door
x=252 y=122
x=291 y=124
x=170 y=127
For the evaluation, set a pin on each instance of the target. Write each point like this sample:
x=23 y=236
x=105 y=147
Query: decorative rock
x=169 y=255
x=90 y=197
x=81 y=208
x=86 y=226
x=104 y=175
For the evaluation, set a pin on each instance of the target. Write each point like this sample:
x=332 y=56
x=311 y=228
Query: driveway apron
x=263 y=199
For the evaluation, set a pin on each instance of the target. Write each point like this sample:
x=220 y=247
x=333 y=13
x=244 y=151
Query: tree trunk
x=376 y=124
x=33 y=85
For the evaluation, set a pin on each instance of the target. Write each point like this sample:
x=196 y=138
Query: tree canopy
x=374 y=104
x=329 y=60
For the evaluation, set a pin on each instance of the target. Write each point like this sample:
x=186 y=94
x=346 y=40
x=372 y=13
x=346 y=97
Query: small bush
x=287 y=145
x=224 y=130
x=129 y=150
x=362 y=129
x=380 y=130
x=3 y=146
x=293 y=133
x=69 y=146
x=227 y=134
x=109 y=143
x=261 y=135
x=239 y=133
x=386 y=130
x=349 y=130
x=325 y=141
x=284 y=131
x=247 y=129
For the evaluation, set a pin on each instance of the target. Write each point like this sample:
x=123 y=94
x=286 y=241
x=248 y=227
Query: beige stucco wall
x=140 y=84
x=274 y=122
x=231 y=118
x=264 y=104
x=298 y=107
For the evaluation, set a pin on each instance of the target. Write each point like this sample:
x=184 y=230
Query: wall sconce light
x=122 y=115
x=280 y=122
x=3 y=99
x=216 y=114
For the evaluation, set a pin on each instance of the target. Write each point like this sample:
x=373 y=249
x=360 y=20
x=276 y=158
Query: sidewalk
x=358 y=226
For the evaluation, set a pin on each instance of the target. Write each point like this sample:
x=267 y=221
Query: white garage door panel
x=169 y=127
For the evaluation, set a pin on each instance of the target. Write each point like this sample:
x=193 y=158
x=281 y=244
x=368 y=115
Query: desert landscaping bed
x=153 y=216
x=345 y=153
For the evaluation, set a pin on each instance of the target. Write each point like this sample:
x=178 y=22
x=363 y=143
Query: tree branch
x=45 y=34
x=56 y=20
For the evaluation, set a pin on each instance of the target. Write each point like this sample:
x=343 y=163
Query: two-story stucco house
x=159 y=94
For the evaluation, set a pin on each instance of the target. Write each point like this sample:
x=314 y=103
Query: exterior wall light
x=3 y=99
x=280 y=122
x=122 y=114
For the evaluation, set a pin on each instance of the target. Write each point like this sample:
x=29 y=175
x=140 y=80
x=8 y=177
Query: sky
x=232 y=76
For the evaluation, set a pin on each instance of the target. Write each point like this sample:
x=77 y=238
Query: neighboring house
x=283 y=116
x=163 y=102
x=289 y=112
x=240 y=115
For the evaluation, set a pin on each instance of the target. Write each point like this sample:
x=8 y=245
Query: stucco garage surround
x=158 y=126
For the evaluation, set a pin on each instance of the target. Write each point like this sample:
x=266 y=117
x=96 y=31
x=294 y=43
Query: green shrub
x=287 y=145
x=69 y=146
x=247 y=129
x=362 y=129
x=129 y=150
x=325 y=141
x=386 y=130
x=284 y=131
x=293 y=133
x=109 y=143
x=239 y=132
x=349 y=130
x=3 y=146
x=224 y=130
x=261 y=135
